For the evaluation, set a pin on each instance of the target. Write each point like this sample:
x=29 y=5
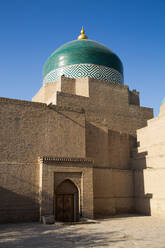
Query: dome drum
x=85 y=70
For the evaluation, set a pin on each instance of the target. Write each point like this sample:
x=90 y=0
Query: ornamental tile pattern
x=85 y=70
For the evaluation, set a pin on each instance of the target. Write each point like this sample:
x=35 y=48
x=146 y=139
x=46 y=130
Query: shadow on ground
x=49 y=236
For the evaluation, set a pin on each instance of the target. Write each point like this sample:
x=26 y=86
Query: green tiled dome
x=86 y=53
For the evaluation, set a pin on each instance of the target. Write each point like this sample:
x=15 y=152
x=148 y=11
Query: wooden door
x=59 y=208
x=64 y=207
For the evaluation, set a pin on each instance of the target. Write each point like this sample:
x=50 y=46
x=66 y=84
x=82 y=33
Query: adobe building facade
x=149 y=164
x=72 y=152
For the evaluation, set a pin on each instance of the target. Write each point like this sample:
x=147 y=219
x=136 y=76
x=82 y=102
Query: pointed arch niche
x=66 y=202
x=66 y=188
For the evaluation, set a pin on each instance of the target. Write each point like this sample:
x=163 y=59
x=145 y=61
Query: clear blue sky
x=30 y=30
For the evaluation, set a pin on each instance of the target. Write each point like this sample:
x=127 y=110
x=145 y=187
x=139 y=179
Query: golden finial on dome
x=82 y=35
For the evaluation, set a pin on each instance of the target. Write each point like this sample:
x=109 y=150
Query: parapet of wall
x=40 y=95
x=111 y=103
x=108 y=104
x=134 y=97
x=82 y=87
x=47 y=93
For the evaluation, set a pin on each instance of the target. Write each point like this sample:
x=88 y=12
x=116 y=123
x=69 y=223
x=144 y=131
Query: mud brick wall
x=29 y=130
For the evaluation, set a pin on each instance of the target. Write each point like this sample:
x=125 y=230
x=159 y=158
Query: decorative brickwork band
x=85 y=70
x=63 y=160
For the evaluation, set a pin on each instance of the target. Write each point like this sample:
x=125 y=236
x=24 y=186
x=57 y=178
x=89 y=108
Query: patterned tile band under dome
x=85 y=70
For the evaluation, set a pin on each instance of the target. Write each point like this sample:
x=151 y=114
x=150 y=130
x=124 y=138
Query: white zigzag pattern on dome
x=85 y=70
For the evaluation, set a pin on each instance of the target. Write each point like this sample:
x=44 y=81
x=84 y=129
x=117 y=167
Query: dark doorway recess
x=66 y=202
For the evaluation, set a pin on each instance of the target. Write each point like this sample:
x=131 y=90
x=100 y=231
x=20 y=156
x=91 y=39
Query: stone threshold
x=80 y=222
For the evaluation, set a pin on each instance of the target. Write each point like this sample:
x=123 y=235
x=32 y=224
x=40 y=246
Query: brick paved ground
x=115 y=232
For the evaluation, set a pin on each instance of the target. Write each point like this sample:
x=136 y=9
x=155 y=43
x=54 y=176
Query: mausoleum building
x=72 y=151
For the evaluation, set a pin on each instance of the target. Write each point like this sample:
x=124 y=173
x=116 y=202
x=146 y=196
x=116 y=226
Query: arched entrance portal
x=66 y=202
